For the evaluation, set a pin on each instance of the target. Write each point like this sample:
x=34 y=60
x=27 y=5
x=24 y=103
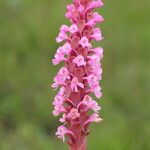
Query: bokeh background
x=27 y=44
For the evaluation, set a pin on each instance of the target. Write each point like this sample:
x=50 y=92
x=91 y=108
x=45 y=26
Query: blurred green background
x=27 y=44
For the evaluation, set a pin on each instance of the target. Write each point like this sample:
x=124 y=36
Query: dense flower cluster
x=80 y=75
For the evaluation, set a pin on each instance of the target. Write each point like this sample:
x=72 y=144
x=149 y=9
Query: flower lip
x=93 y=118
x=75 y=84
x=73 y=29
x=88 y=104
x=84 y=42
x=62 y=131
x=79 y=60
x=73 y=114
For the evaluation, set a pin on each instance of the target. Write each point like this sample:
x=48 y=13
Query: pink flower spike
x=80 y=74
x=75 y=83
x=84 y=42
x=79 y=60
x=73 y=29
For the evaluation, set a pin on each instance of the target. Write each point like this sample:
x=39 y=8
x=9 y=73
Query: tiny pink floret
x=84 y=42
x=79 y=61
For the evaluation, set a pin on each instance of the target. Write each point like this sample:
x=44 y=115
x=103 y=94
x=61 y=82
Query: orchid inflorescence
x=80 y=75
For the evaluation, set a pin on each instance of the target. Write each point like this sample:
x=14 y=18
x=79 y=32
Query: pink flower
x=97 y=18
x=75 y=84
x=91 y=104
x=58 y=100
x=99 y=3
x=96 y=68
x=62 y=36
x=99 y=52
x=71 y=7
x=61 y=77
x=97 y=91
x=73 y=29
x=70 y=14
x=84 y=42
x=95 y=4
x=81 y=9
x=79 y=60
x=61 y=54
x=73 y=114
x=97 y=34
x=88 y=104
x=67 y=48
x=94 y=57
x=91 y=23
x=64 y=29
x=63 y=118
x=64 y=73
x=58 y=109
x=59 y=57
x=61 y=91
x=92 y=80
x=61 y=131
x=93 y=118
x=80 y=75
